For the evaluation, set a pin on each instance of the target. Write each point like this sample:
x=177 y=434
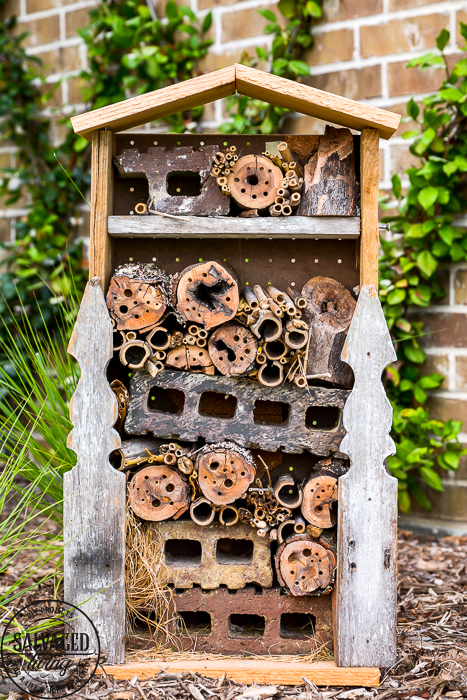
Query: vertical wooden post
x=367 y=518
x=94 y=492
x=369 y=188
x=100 y=245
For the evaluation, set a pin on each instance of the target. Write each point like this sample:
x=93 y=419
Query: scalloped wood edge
x=254 y=671
x=246 y=81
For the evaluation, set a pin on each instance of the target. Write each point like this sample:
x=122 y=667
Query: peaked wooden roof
x=246 y=81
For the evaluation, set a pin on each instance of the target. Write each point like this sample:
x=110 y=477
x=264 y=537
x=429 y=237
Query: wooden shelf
x=254 y=671
x=328 y=227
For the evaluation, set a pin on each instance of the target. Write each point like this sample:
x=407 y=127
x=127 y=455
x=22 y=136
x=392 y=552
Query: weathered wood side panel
x=366 y=588
x=369 y=191
x=94 y=493
x=102 y=191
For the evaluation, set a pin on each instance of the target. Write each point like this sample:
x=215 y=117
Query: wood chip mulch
x=432 y=642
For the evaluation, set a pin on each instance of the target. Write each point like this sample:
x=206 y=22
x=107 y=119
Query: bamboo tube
x=233 y=149
x=193 y=330
x=159 y=338
x=228 y=156
x=261 y=296
x=300 y=381
x=160 y=355
x=250 y=296
x=282 y=488
x=225 y=190
x=276 y=294
x=131 y=335
x=201 y=342
x=219 y=158
x=202 y=333
x=295 y=198
x=261 y=358
x=286 y=525
x=169 y=458
x=135 y=354
x=275 y=350
x=215 y=172
x=297 y=168
x=291 y=308
x=300 y=302
x=275 y=308
x=201 y=512
x=286 y=210
x=228 y=515
x=290 y=175
x=221 y=181
x=280 y=200
x=141 y=208
x=294 y=337
x=300 y=525
x=283 y=192
x=285 y=152
x=275 y=209
x=294 y=186
x=271 y=374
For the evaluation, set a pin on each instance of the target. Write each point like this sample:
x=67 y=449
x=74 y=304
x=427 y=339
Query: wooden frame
x=246 y=81
x=364 y=600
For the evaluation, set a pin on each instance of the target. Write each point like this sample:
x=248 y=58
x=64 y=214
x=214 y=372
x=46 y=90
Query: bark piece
x=135 y=304
x=225 y=472
x=319 y=500
x=123 y=398
x=232 y=349
x=158 y=493
x=254 y=182
x=131 y=453
x=329 y=311
x=304 y=566
x=207 y=293
x=179 y=180
x=330 y=187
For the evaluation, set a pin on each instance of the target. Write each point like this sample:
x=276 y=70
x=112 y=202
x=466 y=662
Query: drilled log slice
x=134 y=303
x=159 y=492
x=254 y=182
x=225 y=472
x=319 y=500
x=232 y=349
x=207 y=294
x=304 y=566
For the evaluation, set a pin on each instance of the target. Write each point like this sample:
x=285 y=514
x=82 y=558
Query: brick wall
x=361 y=50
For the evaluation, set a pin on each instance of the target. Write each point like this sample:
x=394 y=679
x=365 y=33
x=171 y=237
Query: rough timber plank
x=367 y=517
x=100 y=245
x=254 y=671
x=157 y=104
x=369 y=187
x=331 y=227
x=94 y=493
x=293 y=435
x=315 y=103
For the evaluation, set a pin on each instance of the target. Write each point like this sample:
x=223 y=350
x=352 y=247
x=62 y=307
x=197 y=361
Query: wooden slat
x=315 y=103
x=102 y=187
x=254 y=671
x=158 y=104
x=369 y=189
x=246 y=81
x=331 y=227
x=94 y=492
x=367 y=517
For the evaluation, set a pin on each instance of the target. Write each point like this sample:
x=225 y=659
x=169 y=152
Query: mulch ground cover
x=432 y=641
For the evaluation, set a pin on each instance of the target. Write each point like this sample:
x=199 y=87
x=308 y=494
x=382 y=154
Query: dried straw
x=148 y=597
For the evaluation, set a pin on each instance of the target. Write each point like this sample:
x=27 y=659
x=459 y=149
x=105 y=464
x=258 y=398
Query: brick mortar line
x=53 y=11
x=443 y=350
x=451 y=395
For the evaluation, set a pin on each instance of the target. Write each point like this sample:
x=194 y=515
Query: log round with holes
x=304 y=566
x=207 y=294
x=159 y=492
x=135 y=304
x=224 y=473
x=254 y=182
x=319 y=499
x=232 y=349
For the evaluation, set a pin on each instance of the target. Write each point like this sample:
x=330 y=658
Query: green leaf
x=396 y=296
x=312 y=9
x=427 y=197
x=426 y=263
x=414 y=354
x=287 y=7
x=431 y=381
x=463 y=30
x=420 y=496
x=396 y=185
x=404 y=501
x=442 y=39
x=267 y=14
x=413 y=109
x=451 y=94
x=207 y=21
x=452 y=459
x=299 y=67
x=431 y=478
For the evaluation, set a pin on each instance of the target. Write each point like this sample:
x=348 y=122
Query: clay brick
x=356 y=83
x=444 y=330
x=226 y=611
x=447 y=409
x=242 y=24
x=41 y=31
x=78 y=19
x=60 y=60
x=438 y=364
x=442 y=278
x=338 y=10
x=461 y=16
x=395 y=5
x=214 y=61
x=5 y=231
x=330 y=47
x=75 y=88
x=10 y=8
x=450 y=504
x=401 y=35
x=461 y=373
x=401 y=159
x=40 y=5
x=54 y=89
x=409 y=81
x=461 y=472
x=460 y=287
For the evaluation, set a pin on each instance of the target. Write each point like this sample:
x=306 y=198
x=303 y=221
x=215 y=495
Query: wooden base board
x=254 y=671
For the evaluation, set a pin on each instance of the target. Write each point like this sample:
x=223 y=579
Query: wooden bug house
x=231 y=345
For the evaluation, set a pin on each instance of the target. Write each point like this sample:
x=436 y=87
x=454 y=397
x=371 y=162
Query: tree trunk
x=158 y=493
x=207 y=294
x=225 y=472
x=304 y=566
x=232 y=349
